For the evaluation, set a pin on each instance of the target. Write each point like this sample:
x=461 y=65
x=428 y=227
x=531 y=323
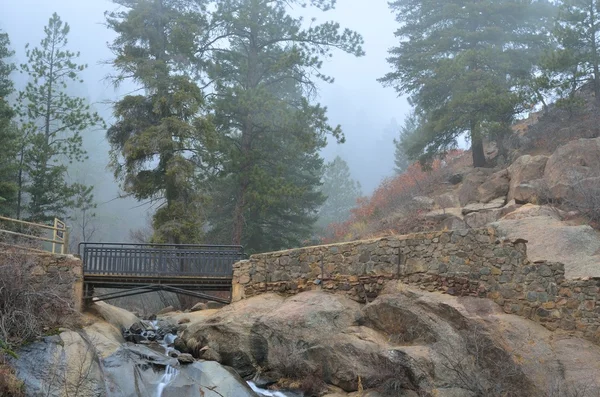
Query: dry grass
x=585 y=198
x=10 y=386
x=29 y=306
x=557 y=127
x=290 y=361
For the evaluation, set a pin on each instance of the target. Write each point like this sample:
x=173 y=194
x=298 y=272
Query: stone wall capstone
x=472 y=262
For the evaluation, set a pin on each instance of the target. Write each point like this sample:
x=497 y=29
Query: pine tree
x=269 y=131
x=463 y=64
x=8 y=132
x=159 y=137
x=407 y=131
x=52 y=122
x=576 y=60
x=341 y=191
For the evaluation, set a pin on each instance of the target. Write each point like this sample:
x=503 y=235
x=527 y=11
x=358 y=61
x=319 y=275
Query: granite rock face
x=407 y=340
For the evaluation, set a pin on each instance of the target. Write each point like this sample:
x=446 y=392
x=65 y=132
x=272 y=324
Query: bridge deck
x=149 y=267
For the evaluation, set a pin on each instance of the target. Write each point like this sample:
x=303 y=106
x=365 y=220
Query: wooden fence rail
x=59 y=240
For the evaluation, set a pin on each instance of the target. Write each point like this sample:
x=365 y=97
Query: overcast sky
x=356 y=100
x=368 y=113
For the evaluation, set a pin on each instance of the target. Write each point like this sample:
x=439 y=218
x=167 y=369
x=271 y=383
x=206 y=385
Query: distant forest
x=224 y=132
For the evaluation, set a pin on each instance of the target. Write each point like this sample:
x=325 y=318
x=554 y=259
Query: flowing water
x=170 y=374
x=264 y=392
x=170 y=371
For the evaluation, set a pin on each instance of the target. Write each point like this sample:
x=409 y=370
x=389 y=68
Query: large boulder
x=119 y=318
x=532 y=192
x=570 y=164
x=447 y=200
x=472 y=180
x=476 y=207
x=521 y=356
x=484 y=217
x=475 y=220
x=95 y=361
x=548 y=238
x=246 y=334
x=522 y=172
x=496 y=186
x=406 y=342
x=447 y=218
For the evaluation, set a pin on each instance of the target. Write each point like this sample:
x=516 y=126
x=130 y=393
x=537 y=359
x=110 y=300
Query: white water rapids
x=263 y=392
x=172 y=372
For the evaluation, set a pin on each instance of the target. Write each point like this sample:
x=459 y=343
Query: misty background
x=369 y=114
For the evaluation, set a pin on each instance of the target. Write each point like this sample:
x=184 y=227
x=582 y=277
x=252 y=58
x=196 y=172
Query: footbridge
x=133 y=269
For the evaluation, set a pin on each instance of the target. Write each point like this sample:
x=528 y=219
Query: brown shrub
x=10 y=386
x=585 y=198
x=395 y=196
x=29 y=306
x=290 y=361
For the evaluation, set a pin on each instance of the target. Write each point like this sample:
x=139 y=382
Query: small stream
x=146 y=366
x=172 y=372
x=268 y=393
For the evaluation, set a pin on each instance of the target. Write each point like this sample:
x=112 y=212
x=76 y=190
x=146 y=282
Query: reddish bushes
x=395 y=196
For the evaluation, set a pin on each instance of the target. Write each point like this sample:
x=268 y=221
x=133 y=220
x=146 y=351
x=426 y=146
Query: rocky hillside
x=546 y=191
x=404 y=343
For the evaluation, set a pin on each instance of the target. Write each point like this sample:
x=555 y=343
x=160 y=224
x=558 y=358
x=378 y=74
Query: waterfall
x=263 y=392
x=169 y=375
x=170 y=372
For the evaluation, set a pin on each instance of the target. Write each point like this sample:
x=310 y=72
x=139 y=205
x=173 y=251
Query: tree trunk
x=595 y=60
x=20 y=182
x=252 y=81
x=477 y=146
x=238 y=216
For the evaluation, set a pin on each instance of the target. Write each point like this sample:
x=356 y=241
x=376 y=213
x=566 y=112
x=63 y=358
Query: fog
x=368 y=113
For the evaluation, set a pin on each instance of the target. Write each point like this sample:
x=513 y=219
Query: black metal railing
x=159 y=260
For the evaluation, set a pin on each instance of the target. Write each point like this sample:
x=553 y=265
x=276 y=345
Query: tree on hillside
x=159 y=137
x=407 y=132
x=264 y=73
x=576 y=60
x=52 y=123
x=8 y=132
x=341 y=191
x=463 y=64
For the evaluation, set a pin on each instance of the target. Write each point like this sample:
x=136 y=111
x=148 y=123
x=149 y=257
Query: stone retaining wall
x=472 y=262
x=63 y=272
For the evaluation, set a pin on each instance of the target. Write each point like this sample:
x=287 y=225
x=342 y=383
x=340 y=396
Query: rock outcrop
x=96 y=362
x=577 y=247
x=525 y=173
x=570 y=164
x=471 y=181
x=496 y=186
x=404 y=342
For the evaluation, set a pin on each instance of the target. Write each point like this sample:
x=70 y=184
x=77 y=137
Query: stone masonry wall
x=472 y=262
x=64 y=273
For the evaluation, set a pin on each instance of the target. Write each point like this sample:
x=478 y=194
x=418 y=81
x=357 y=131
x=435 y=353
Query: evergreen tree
x=464 y=64
x=8 y=132
x=53 y=122
x=341 y=191
x=407 y=131
x=269 y=131
x=576 y=60
x=159 y=137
